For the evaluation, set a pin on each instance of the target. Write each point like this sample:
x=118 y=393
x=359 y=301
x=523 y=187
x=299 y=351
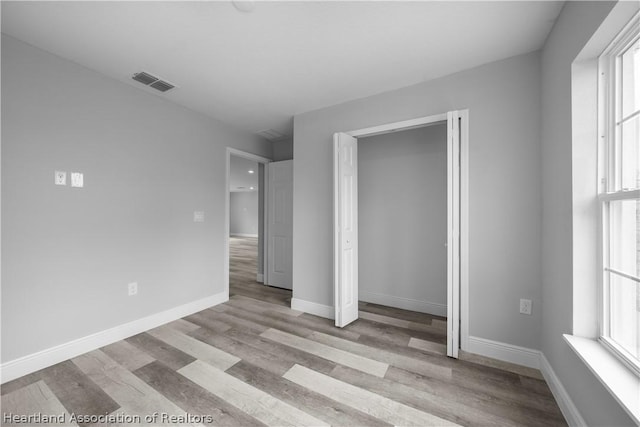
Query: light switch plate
x=132 y=288
x=198 y=216
x=77 y=179
x=60 y=178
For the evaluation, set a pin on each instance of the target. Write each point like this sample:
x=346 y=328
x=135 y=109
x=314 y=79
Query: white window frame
x=610 y=177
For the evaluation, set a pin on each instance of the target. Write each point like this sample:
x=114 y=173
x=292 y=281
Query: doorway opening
x=346 y=229
x=259 y=227
x=246 y=225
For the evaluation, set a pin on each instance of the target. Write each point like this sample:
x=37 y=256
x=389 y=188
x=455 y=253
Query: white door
x=346 y=228
x=280 y=220
x=453 y=233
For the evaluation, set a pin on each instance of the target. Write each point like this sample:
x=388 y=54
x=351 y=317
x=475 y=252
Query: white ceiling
x=240 y=179
x=258 y=69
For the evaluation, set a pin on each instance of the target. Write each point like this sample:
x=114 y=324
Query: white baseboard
x=321 y=310
x=506 y=352
x=567 y=407
x=532 y=359
x=33 y=362
x=260 y=278
x=243 y=235
x=405 y=303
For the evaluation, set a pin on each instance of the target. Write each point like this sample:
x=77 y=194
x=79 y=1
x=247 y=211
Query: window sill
x=623 y=384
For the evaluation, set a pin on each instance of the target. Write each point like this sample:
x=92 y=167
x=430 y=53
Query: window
x=619 y=195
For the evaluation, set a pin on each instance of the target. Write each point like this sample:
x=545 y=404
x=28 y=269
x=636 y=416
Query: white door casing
x=345 y=228
x=453 y=233
x=280 y=224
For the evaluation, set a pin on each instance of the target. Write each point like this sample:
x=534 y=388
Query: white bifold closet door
x=346 y=228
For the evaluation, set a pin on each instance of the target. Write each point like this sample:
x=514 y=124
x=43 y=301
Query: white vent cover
x=152 y=81
x=271 y=135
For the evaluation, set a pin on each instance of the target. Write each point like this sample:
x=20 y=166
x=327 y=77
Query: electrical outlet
x=60 y=178
x=133 y=288
x=525 y=306
x=77 y=179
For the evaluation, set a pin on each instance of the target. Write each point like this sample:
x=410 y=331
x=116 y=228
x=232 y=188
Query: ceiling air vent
x=162 y=86
x=271 y=135
x=144 y=78
x=152 y=81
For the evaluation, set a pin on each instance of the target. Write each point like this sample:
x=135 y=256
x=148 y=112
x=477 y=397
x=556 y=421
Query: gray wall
x=283 y=150
x=574 y=27
x=503 y=99
x=402 y=224
x=243 y=212
x=69 y=253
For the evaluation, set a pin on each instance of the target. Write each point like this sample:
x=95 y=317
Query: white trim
x=45 y=358
x=434 y=308
x=260 y=278
x=321 y=310
x=399 y=126
x=464 y=230
x=566 y=405
x=265 y=224
x=619 y=195
x=453 y=233
x=242 y=235
x=618 y=378
x=506 y=352
x=227 y=204
x=247 y=155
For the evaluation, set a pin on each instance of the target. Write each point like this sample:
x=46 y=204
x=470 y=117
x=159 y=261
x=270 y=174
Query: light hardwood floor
x=254 y=361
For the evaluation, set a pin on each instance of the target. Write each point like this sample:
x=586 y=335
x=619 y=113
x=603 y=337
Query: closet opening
x=400 y=198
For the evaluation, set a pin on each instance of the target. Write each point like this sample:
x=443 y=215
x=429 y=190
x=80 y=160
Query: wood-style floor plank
x=439 y=323
x=76 y=391
x=255 y=402
x=282 y=351
x=327 y=326
x=267 y=305
x=208 y=319
x=412 y=316
x=182 y=325
x=393 y=334
x=134 y=396
x=384 y=356
x=193 y=398
x=429 y=346
x=18 y=383
x=270 y=321
x=128 y=355
x=401 y=323
x=431 y=402
x=513 y=404
x=506 y=366
x=244 y=351
x=195 y=348
x=328 y=410
x=160 y=350
x=364 y=364
x=32 y=399
x=374 y=404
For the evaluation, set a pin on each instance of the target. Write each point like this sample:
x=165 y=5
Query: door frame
x=457 y=285
x=227 y=216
